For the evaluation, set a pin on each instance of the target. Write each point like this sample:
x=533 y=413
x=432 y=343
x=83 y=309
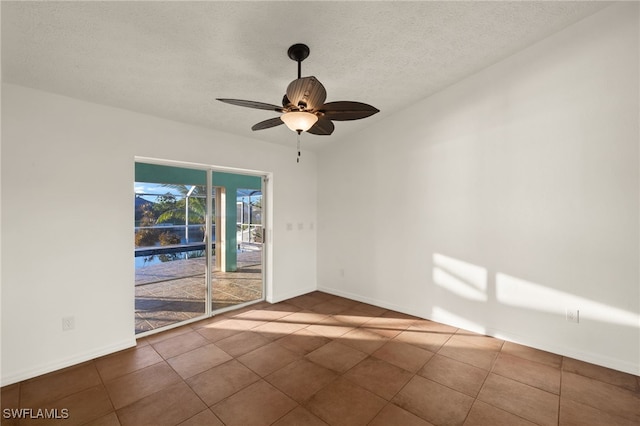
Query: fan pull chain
x=298 y=159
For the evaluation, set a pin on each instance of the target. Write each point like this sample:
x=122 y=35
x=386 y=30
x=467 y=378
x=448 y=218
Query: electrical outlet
x=573 y=315
x=68 y=323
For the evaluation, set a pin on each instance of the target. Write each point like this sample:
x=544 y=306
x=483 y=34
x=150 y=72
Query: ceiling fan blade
x=346 y=110
x=307 y=90
x=322 y=127
x=272 y=122
x=251 y=104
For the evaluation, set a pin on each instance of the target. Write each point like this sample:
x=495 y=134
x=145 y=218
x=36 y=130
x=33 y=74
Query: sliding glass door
x=170 y=251
x=198 y=243
x=238 y=276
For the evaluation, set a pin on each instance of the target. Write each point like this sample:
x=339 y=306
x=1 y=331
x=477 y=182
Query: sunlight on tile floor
x=320 y=359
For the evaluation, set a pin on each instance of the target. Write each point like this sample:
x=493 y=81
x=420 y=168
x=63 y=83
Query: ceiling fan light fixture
x=299 y=121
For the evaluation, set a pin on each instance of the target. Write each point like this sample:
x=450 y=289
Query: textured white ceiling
x=172 y=59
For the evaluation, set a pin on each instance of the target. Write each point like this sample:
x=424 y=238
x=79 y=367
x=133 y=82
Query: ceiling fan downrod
x=298 y=52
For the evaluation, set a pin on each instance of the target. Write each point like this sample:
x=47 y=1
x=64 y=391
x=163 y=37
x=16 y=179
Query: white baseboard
x=376 y=302
x=592 y=358
x=49 y=367
x=280 y=297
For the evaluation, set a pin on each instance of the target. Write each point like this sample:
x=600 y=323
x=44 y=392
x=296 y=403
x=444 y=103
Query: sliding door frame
x=266 y=234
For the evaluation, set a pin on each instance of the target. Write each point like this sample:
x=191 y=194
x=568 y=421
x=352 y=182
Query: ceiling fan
x=303 y=106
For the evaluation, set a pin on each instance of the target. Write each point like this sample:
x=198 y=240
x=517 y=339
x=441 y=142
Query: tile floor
x=319 y=359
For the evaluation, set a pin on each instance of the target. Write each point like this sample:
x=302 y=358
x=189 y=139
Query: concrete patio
x=175 y=291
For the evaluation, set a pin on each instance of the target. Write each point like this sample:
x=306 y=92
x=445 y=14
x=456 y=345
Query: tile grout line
x=560 y=389
x=104 y=385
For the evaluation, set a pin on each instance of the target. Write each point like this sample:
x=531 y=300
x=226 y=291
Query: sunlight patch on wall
x=525 y=294
x=462 y=278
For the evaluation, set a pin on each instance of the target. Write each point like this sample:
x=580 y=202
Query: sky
x=152 y=188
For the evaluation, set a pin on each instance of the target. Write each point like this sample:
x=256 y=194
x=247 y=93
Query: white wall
x=501 y=201
x=68 y=164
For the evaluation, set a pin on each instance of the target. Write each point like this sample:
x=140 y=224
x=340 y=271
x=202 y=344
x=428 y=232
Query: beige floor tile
x=363 y=340
x=573 y=413
x=403 y=355
x=321 y=295
x=428 y=340
x=198 y=360
x=203 y=418
x=462 y=350
x=457 y=375
x=304 y=318
x=257 y=404
x=603 y=396
x=434 y=402
x=243 y=342
x=127 y=361
x=218 y=383
x=336 y=356
x=345 y=403
x=603 y=374
x=110 y=419
x=387 y=325
x=391 y=415
x=379 y=377
x=306 y=301
x=330 y=328
x=269 y=358
x=480 y=340
x=207 y=321
x=38 y=391
x=432 y=326
x=347 y=303
x=301 y=379
x=531 y=373
x=169 y=406
x=532 y=354
x=303 y=341
x=10 y=399
x=522 y=400
x=177 y=345
x=369 y=310
x=329 y=307
x=131 y=387
x=157 y=338
x=10 y=396
x=299 y=416
x=227 y=327
x=276 y=329
x=352 y=317
x=270 y=313
x=82 y=407
x=284 y=307
x=483 y=414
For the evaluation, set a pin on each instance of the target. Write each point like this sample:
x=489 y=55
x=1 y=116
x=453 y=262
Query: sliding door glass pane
x=170 y=252
x=237 y=278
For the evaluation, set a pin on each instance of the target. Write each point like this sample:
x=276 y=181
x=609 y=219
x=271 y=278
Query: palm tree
x=190 y=209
